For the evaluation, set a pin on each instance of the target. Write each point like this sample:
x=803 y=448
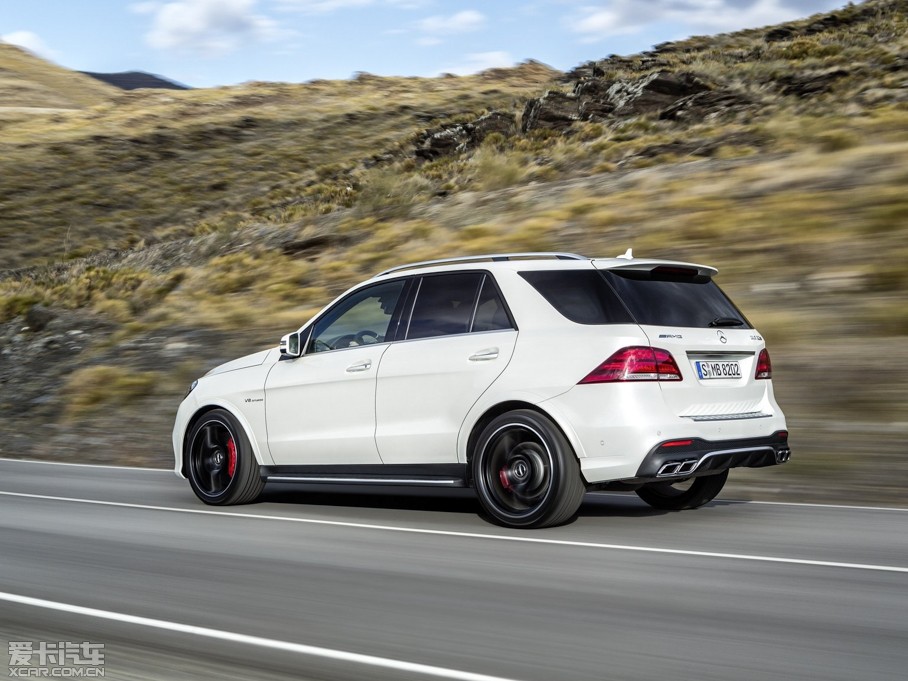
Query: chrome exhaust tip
x=687 y=466
x=673 y=468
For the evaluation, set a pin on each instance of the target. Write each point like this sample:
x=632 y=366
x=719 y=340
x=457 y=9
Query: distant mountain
x=135 y=80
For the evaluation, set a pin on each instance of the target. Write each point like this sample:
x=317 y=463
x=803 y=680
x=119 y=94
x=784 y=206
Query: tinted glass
x=665 y=299
x=360 y=319
x=491 y=314
x=444 y=305
x=582 y=296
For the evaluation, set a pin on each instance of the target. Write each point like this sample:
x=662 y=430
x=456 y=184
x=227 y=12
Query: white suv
x=530 y=377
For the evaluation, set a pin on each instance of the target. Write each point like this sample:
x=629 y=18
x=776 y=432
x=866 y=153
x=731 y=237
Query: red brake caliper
x=231 y=457
x=505 y=480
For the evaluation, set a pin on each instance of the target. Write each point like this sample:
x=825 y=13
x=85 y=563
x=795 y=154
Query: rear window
x=582 y=296
x=665 y=298
x=661 y=297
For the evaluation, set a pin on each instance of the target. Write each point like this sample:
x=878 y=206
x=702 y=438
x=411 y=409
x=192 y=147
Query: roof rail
x=497 y=257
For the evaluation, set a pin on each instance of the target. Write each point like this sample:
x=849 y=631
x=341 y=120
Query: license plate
x=718 y=369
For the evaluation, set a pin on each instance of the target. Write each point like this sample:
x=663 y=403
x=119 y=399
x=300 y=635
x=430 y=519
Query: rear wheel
x=679 y=496
x=222 y=468
x=525 y=471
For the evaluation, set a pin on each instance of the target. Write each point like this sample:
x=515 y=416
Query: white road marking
x=88 y=465
x=605 y=494
x=287 y=646
x=472 y=535
x=625 y=495
x=849 y=508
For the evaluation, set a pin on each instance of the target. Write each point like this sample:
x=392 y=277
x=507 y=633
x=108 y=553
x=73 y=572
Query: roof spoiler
x=628 y=262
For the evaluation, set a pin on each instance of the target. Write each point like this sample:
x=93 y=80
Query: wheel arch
x=500 y=408
x=237 y=414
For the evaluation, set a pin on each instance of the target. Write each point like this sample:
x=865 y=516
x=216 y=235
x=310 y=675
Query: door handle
x=365 y=365
x=484 y=355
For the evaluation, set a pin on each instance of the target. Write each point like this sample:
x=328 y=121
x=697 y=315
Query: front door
x=320 y=407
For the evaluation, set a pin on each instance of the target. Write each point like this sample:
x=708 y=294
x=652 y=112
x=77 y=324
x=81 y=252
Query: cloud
x=144 y=7
x=461 y=22
x=408 y=4
x=480 y=61
x=208 y=27
x=327 y=6
x=429 y=41
x=320 y=6
x=622 y=17
x=30 y=41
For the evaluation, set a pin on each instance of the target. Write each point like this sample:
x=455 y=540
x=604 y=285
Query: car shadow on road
x=616 y=505
x=390 y=498
x=453 y=501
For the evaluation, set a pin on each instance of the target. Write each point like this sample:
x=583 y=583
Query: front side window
x=362 y=318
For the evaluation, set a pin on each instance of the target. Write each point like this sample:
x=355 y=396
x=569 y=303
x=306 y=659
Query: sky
x=206 y=43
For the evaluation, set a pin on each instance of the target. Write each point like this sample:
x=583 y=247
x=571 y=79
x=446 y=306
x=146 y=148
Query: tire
x=525 y=472
x=221 y=467
x=668 y=496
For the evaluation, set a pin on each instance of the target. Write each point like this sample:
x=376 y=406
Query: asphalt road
x=398 y=585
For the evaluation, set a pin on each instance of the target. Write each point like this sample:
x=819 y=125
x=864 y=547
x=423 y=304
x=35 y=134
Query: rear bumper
x=619 y=432
x=681 y=459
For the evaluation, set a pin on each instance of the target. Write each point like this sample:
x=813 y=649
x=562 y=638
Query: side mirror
x=291 y=345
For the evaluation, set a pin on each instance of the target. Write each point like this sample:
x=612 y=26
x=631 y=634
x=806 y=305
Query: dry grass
x=99 y=387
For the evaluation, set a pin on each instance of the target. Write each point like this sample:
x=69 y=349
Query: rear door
x=683 y=311
x=458 y=340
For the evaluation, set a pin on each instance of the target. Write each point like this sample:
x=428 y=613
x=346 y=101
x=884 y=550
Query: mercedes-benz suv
x=530 y=377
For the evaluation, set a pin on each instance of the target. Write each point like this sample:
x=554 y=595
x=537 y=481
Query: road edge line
x=247 y=639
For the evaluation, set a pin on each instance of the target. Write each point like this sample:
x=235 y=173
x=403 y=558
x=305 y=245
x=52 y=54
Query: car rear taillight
x=636 y=363
x=764 y=365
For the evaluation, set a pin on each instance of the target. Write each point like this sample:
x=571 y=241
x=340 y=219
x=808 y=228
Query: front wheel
x=525 y=471
x=679 y=496
x=219 y=460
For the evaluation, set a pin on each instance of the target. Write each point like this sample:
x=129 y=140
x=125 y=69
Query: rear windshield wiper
x=726 y=321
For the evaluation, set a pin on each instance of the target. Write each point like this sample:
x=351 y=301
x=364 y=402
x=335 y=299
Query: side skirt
x=417 y=475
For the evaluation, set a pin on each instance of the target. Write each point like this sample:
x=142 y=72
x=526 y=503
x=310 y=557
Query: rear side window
x=444 y=305
x=673 y=298
x=461 y=302
x=582 y=296
x=491 y=314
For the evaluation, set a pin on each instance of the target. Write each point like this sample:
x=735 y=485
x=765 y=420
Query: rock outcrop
x=681 y=96
x=811 y=83
x=460 y=137
x=671 y=95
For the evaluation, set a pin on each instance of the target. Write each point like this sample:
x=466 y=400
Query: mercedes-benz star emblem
x=722 y=338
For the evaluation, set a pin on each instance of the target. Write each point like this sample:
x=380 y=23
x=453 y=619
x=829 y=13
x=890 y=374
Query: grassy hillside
x=29 y=81
x=152 y=236
x=155 y=165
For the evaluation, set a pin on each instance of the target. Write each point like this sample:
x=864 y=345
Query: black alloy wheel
x=221 y=466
